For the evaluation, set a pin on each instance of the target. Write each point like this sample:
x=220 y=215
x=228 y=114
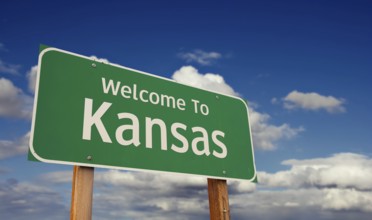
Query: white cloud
x=147 y=203
x=30 y=201
x=311 y=188
x=190 y=76
x=239 y=187
x=308 y=203
x=58 y=177
x=299 y=191
x=158 y=194
x=200 y=56
x=149 y=195
x=9 y=68
x=31 y=76
x=343 y=170
x=13 y=102
x=347 y=199
x=13 y=148
x=131 y=179
x=313 y=101
x=265 y=135
x=143 y=195
x=135 y=179
x=275 y=204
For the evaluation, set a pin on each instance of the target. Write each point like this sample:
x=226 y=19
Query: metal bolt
x=217 y=97
x=89 y=157
x=224 y=210
x=94 y=65
x=224 y=171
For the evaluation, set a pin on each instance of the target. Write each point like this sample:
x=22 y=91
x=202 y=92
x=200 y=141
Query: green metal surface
x=66 y=81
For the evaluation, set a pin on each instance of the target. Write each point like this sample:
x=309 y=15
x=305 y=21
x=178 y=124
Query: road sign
x=91 y=113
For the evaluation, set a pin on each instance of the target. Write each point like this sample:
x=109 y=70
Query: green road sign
x=91 y=113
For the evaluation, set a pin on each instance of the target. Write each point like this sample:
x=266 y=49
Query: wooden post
x=218 y=200
x=82 y=193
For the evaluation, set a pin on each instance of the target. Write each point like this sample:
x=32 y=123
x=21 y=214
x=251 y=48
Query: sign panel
x=91 y=113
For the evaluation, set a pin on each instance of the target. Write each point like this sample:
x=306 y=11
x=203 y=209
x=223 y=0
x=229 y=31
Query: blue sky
x=304 y=67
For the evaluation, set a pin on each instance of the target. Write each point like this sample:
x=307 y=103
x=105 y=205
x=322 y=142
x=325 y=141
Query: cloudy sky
x=304 y=67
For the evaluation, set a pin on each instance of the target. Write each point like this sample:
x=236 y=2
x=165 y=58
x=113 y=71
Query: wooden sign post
x=82 y=193
x=218 y=199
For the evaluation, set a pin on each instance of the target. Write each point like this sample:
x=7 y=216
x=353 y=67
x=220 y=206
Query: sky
x=303 y=66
